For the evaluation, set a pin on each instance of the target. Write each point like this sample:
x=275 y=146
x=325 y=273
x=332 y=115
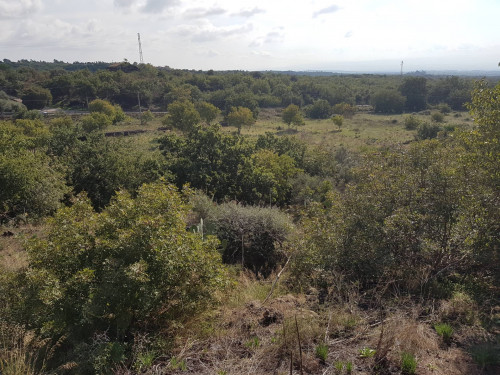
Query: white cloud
x=206 y=32
x=247 y=13
x=124 y=3
x=204 y=12
x=146 y=6
x=261 y=53
x=157 y=6
x=331 y=9
x=18 y=8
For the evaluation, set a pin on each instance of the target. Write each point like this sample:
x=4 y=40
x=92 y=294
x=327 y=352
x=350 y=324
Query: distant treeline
x=74 y=85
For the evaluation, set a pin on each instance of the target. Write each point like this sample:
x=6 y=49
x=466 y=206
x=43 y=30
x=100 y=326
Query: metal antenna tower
x=401 y=65
x=141 y=59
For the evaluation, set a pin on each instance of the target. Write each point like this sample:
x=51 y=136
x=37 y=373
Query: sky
x=330 y=35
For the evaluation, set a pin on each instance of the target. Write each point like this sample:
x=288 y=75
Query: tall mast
x=141 y=59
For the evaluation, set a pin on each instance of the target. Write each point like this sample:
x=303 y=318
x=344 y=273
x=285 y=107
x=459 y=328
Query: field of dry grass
x=295 y=334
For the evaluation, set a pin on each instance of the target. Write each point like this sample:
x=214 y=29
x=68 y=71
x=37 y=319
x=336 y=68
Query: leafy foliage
x=132 y=264
x=320 y=109
x=291 y=115
x=182 y=115
x=239 y=117
x=251 y=236
x=388 y=101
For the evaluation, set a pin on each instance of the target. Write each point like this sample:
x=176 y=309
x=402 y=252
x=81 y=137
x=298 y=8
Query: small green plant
x=222 y=372
x=445 y=331
x=178 y=364
x=339 y=366
x=322 y=351
x=367 y=352
x=348 y=367
x=253 y=343
x=144 y=360
x=408 y=363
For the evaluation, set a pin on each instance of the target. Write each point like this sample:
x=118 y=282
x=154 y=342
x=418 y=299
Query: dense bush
x=403 y=220
x=320 y=109
x=427 y=131
x=105 y=274
x=250 y=236
x=387 y=101
x=411 y=122
x=32 y=184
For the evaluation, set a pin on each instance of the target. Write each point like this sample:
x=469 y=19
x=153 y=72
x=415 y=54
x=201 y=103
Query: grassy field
x=363 y=132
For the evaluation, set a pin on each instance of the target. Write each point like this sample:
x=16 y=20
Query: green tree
x=36 y=97
x=388 y=101
x=292 y=115
x=101 y=166
x=96 y=121
x=114 y=112
x=239 y=117
x=182 y=115
x=102 y=106
x=267 y=178
x=31 y=183
x=344 y=109
x=415 y=91
x=338 y=120
x=320 y=109
x=207 y=159
x=146 y=117
x=399 y=222
x=208 y=112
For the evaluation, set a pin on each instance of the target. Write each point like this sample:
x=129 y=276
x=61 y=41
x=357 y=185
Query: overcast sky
x=352 y=35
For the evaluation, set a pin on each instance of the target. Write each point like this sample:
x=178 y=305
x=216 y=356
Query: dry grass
x=247 y=336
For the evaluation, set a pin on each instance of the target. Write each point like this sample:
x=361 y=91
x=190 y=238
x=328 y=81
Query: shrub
x=344 y=109
x=437 y=117
x=427 y=131
x=411 y=122
x=251 y=235
x=444 y=108
x=338 y=120
x=387 y=101
x=320 y=109
x=96 y=121
x=130 y=264
x=460 y=308
x=114 y=112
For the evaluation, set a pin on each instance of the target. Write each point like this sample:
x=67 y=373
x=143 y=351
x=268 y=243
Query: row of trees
x=414 y=95
x=156 y=88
